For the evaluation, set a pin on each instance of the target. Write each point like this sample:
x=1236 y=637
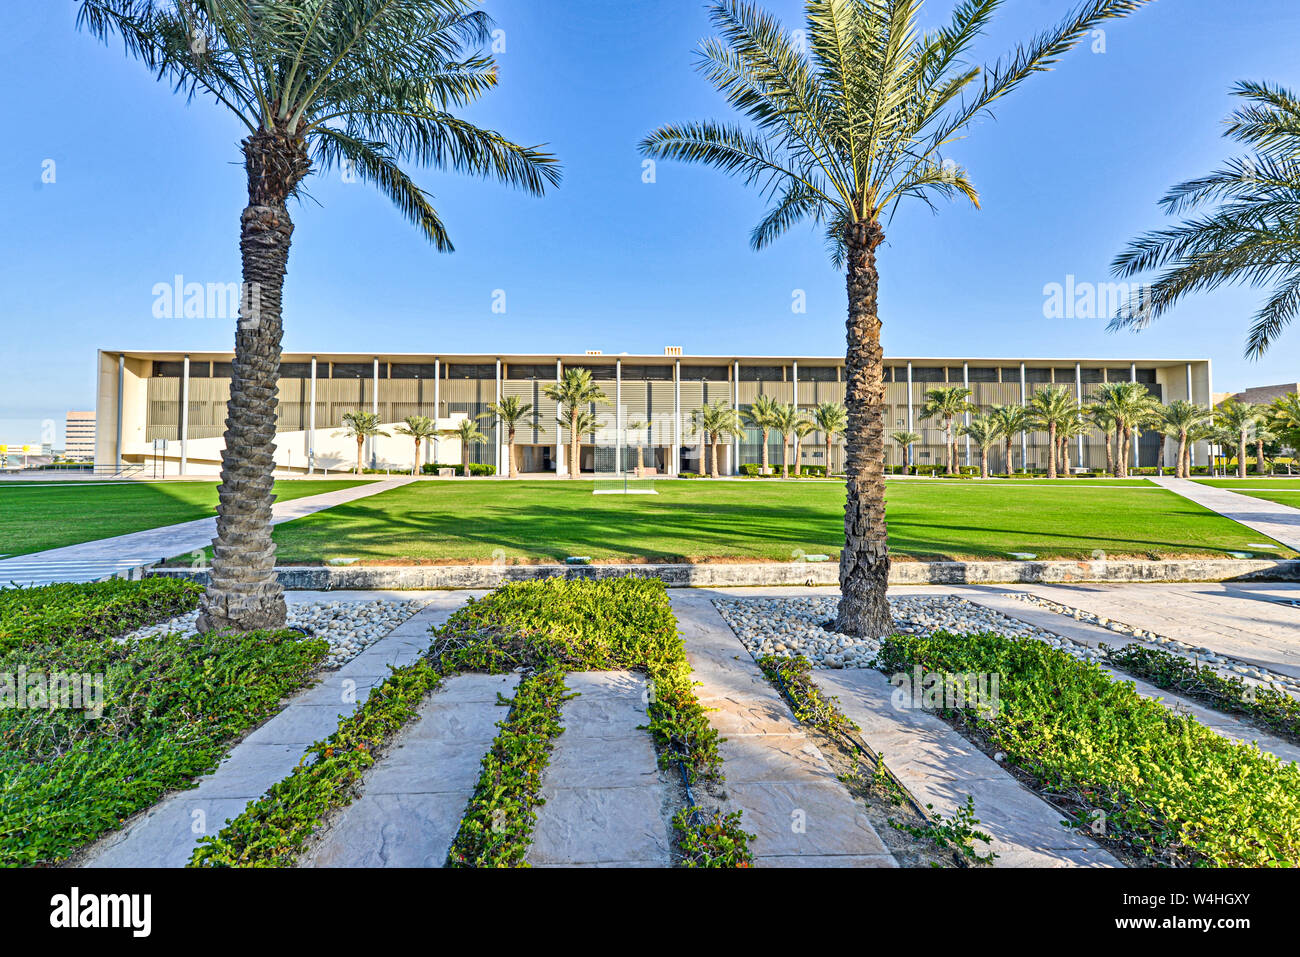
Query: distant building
x=80 y=432
x=1261 y=394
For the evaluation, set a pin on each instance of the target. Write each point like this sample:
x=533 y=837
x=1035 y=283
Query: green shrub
x=478 y=469
x=1171 y=789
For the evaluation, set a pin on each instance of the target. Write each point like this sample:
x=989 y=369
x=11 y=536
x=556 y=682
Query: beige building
x=1261 y=394
x=79 y=436
x=170 y=407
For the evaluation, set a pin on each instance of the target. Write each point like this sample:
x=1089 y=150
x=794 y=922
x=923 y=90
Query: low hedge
x=475 y=469
x=1171 y=789
x=90 y=611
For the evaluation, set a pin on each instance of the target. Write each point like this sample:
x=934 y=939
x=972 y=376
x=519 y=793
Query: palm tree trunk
x=510 y=452
x=361 y=441
x=1180 y=470
x=785 y=456
x=713 y=456
x=1259 y=456
x=767 y=467
x=415 y=468
x=947 y=441
x=1121 y=451
x=984 y=462
x=1241 y=454
x=864 y=562
x=1010 y=464
x=244 y=593
x=575 y=445
x=1065 y=455
x=1110 y=452
x=1052 y=450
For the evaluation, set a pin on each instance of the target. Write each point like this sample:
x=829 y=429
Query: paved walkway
x=800 y=814
x=166 y=834
x=606 y=803
x=122 y=554
x=1278 y=522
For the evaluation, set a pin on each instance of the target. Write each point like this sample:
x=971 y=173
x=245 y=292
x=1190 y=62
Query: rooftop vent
x=672 y=350
x=594 y=352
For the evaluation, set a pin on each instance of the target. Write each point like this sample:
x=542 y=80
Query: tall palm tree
x=1263 y=435
x=984 y=431
x=1237 y=418
x=1101 y=416
x=1283 y=418
x=761 y=415
x=1130 y=406
x=1072 y=428
x=355 y=83
x=1249 y=237
x=802 y=429
x=832 y=419
x=906 y=440
x=716 y=421
x=947 y=403
x=1012 y=421
x=786 y=423
x=467 y=431
x=852 y=117
x=361 y=426
x=419 y=428
x=575 y=393
x=511 y=412
x=1050 y=407
x=639 y=428
x=1181 y=419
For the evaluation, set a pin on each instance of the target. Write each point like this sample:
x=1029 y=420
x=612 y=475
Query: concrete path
x=166 y=834
x=413 y=799
x=605 y=800
x=121 y=554
x=1278 y=522
x=940 y=767
x=800 y=814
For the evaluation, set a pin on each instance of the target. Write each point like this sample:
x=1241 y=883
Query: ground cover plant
x=545 y=629
x=165 y=712
x=68 y=513
x=1164 y=788
x=453 y=522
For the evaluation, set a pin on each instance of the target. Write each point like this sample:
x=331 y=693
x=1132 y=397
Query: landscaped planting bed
x=152 y=714
x=1172 y=791
x=543 y=629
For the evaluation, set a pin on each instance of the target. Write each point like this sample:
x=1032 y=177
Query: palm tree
x=511 y=412
x=1100 y=415
x=1072 y=427
x=906 y=440
x=468 y=432
x=1237 y=418
x=802 y=429
x=1181 y=419
x=786 y=424
x=947 y=403
x=418 y=427
x=575 y=390
x=1263 y=436
x=832 y=419
x=1050 y=407
x=1283 y=419
x=984 y=431
x=354 y=84
x=761 y=415
x=716 y=420
x=1012 y=421
x=1130 y=407
x=1250 y=237
x=639 y=429
x=361 y=426
x=851 y=118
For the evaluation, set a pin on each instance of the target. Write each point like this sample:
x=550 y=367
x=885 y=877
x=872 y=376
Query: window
x=1038 y=375
x=351 y=370
x=411 y=370
x=295 y=370
x=983 y=375
x=928 y=374
x=1092 y=376
x=223 y=370
x=817 y=374
x=762 y=373
x=170 y=370
x=647 y=373
x=600 y=373
x=704 y=373
x=481 y=370
x=1146 y=376
x=522 y=372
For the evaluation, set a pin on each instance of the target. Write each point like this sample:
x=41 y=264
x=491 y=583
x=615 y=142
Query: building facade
x=79 y=436
x=170 y=407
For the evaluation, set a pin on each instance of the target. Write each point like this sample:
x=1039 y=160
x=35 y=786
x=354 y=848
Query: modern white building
x=170 y=407
x=79 y=436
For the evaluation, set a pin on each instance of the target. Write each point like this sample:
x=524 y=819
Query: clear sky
x=147 y=187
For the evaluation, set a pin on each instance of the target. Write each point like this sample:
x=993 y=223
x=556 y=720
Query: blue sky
x=148 y=187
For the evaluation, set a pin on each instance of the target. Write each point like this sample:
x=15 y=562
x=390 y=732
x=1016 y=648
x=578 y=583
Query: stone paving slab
x=413 y=799
x=166 y=834
x=940 y=767
x=603 y=792
x=798 y=811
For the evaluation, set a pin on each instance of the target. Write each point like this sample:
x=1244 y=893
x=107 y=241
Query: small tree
x=762 y=416
x=1181 y=419
x=984 y=432
x=906 y=440
x=361 y=426
x=715 y=421
x=947 y=403
x=832 y=419
x=468 y=432
x=786 y=422
x=639 y=429
x=1012 y=421
x=575 y=393
x=511 y=412
x=419 y=428
x=1050 y=407
x=1238 y=418
x=803 y=428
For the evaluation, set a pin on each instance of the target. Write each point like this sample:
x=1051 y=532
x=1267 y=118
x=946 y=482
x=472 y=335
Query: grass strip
x=1169 y=790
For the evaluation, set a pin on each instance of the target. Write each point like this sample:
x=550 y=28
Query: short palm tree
x=1072 y=428
x=1249 y=237
x=1050 y=407
x=802 y=430
x=905 y=441
x=1130 y=406
x=1181 y=419
x=1283 y=418
x=1012 y=421
x=832 y=419
x=985 y=432
x=419 y=428
x=1100 y=415
x=849 y=119
x=467 y=431
x=361 y=426
x=1237 y=418
x=716 y=421
x=575 y=393
x=639 y=429
x=762 y=416
x=357 y=84
x=786 y=424
x=947 y=403
x=1263 y=435
x=512 y=412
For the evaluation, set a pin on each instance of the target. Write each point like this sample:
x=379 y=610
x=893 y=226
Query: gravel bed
x=349 y=626
x=798 y=626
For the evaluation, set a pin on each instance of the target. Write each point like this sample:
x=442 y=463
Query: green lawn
x=547 y=520
x=33 y=518
x=1282 y=491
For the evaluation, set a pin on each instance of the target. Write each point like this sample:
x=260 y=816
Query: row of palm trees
x=1121 y=411
x=718 y=421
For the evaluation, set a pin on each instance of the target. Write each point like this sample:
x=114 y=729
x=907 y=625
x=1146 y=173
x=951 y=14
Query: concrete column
x=501 y=454
x=437 y=404
x=1024 y=436
x=677 y=418
x=794 y=375
x=311 y=423
x=965 y=381
x=618 y=416
x=1191 y=446
x=909 y=452
x=735 y=405
x=1078 y=399
x=1133 y=377
x=559 y=429
x=185 y=415
x=121 y=390
x=374 y=408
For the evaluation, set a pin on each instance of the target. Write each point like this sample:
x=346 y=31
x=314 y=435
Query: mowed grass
x=37 y=517
x=1282 y=491
x=484 y=521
